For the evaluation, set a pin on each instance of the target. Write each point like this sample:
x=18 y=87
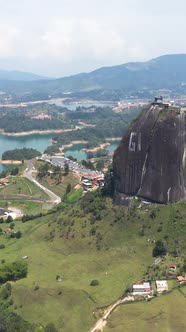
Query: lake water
x=76 y=152
x=73 y=106
x=40 y=143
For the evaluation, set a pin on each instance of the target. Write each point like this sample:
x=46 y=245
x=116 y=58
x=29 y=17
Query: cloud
x=9 y=36
x=60 y=37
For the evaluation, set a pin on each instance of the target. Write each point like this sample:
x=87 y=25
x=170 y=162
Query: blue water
x=72 y=107
x=38 y=142
x=111 y=148
x=76 y=152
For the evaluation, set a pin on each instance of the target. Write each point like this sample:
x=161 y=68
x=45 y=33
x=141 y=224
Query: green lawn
x=165 y=313
x=20 y=186
x=60 y=188
x=64 y=244
x=28 y=207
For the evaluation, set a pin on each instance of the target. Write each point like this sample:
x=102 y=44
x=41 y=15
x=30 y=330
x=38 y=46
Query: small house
x=162 y=286
x=181 y=279
x=8 y=231
x=87 y=185
x=173 y=267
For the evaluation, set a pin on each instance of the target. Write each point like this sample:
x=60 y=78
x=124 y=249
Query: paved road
x=73 y=166
x=54 y=199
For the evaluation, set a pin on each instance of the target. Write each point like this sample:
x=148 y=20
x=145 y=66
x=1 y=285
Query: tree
x=159 y=249
x=88 y=164
x=43 y=170
x=108 y=189
x=9 y=219
x=59 y=176
x=12 y=225
x=68 y=188
x=66 y=168
x=100 y=165
x=94 y=283
x=14 y=171
x=18 y=235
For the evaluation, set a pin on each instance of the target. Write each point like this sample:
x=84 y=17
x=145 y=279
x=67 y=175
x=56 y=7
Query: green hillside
x=164 y=72
x=93 y=240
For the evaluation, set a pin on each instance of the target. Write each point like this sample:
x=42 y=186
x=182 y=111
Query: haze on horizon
x=63 y=37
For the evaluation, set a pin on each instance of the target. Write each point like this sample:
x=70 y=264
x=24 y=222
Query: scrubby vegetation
x=13 y=271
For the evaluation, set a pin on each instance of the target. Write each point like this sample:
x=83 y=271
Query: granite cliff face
x=150 y=160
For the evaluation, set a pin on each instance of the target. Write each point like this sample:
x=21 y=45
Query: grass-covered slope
x=92 y=240
x=166 y=313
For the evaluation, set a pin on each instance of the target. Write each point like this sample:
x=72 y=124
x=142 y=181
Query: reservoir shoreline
x=37 y=132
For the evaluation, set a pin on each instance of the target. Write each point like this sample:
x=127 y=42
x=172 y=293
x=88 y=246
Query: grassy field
x=60 y=188
x=165 y=313
x=20 y=186
x=111 y=249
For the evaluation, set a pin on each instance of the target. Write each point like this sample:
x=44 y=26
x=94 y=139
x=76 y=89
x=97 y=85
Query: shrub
x=94 y=283
x=18 y=235
x=50 y=328
x=2 y=246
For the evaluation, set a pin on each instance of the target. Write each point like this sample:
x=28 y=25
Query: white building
x=161 y=286
x=141 y=289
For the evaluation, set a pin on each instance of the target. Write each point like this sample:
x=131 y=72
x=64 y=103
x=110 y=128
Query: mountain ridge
x=164 y=72
x=17 y=75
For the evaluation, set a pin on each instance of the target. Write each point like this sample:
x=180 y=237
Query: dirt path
x=103 y=321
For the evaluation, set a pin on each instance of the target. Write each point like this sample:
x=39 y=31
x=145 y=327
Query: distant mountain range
x=165 y=72
x=19 y=76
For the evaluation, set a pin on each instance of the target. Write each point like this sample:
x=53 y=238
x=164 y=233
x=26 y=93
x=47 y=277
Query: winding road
x=54 y=199
x=103 y=321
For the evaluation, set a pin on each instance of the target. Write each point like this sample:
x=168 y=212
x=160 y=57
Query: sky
x=63 y=37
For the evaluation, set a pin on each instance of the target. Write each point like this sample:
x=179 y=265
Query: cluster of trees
x=13 y=271
x=28 y=217
x=88 y=164
x=100 y=165
x=159 y=249
x=20 y=154
x=107 y=124
x=11 y=171
x=52 y=149
x=43 y=170
x=23 y=120
x=11 y=322
x=94 y=203
x=108 y=189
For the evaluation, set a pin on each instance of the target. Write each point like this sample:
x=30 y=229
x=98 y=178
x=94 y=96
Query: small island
x=20 y=154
